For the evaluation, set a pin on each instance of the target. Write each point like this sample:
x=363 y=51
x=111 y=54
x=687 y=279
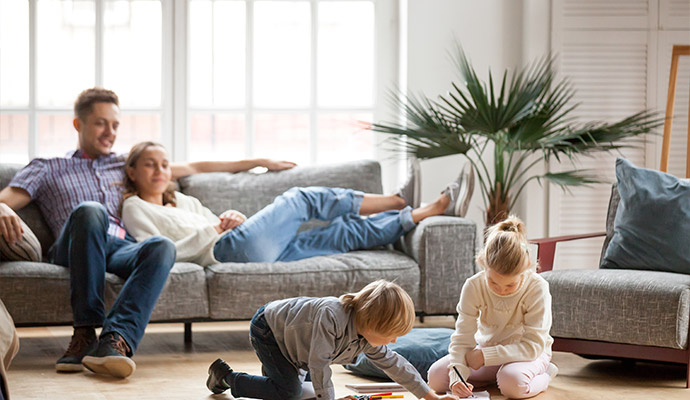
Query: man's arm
x=182 y=170
x=12 y=198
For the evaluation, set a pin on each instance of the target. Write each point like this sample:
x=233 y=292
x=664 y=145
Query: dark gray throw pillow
x=421 y=347
x=651 y=230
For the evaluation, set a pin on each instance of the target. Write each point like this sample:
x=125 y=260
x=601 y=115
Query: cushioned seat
x=259 y=283
x=621 y=306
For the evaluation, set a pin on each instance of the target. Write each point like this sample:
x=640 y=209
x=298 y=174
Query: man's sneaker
x=552 y=370
x=460 y=192
x=83 y=341
x=411 y=190
x=217 y=373
x=110 y=357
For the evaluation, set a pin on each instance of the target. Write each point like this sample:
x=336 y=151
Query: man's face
x=98 y=132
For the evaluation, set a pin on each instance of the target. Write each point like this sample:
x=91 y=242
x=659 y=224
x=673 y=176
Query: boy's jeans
x=282 y=381
x=271 y=234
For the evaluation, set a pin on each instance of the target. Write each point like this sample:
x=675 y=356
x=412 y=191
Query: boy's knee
x=512 y=383
x=293 y=391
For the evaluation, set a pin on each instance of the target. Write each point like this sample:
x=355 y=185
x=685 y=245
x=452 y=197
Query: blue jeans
x=88 y=251
x=283 y=381
x=271 y=234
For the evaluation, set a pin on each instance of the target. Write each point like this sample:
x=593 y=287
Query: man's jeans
x=283 y=381
x=88 y=251
x=271 y=234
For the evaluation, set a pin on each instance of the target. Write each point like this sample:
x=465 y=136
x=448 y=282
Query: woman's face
x=503 y=284
x=151 y=174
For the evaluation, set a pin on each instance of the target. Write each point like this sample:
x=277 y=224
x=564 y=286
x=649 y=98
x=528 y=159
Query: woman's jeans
x=271 y=234
x=283 y=381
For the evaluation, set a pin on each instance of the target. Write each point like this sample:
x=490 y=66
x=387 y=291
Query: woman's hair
x=129 y=188
x=505 y=251
x=382 y=307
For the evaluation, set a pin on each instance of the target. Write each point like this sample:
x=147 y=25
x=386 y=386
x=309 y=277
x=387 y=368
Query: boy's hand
x=475 y=359
x=433 y=396
x=462 y=391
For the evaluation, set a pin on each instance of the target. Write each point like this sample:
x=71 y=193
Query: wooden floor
x=167 y=369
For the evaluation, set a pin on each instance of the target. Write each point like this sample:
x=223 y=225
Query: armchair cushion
x=652 y=223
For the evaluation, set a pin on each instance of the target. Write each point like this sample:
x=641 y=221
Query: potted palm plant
x=527 y=123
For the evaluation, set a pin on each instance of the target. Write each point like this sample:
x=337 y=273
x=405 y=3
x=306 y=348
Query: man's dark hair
x=83 y=106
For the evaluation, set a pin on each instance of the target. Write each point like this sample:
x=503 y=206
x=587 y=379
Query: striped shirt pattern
x=60 y=184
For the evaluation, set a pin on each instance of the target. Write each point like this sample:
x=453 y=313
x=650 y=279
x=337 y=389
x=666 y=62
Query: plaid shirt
x=60 y=184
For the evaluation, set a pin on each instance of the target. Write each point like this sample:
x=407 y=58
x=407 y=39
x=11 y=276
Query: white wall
x=491 y=33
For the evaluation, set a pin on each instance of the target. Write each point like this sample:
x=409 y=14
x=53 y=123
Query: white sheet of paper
x=480 y=395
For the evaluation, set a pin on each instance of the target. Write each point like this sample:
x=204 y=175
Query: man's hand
x=230 y=220
x=273 y=165
x=475 y=358
x=10 y=224
x=462 y=391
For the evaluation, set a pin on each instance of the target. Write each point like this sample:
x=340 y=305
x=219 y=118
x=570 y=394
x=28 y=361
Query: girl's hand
x=230 y=219
x=462 y=391
x=474 y=358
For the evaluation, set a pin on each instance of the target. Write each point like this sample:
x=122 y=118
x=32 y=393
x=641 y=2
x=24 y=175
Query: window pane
x=281 y=53
x=14 y=138
x=132 y=51
x=216 y=137
x=346 y=54
x=282 y=137
x=342 y=138
x=135 y=128
x=65 y=62
x=56 y=135
x=14 y=56
x=217 y=45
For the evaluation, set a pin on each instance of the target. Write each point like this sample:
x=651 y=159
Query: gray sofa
x=431 y=262
x=618 y=313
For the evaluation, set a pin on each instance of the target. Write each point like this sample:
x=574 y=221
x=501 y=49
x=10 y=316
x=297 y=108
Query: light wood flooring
x=167 y=369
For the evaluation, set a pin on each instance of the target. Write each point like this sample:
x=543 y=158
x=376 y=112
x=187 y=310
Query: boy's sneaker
x=83 y=341
x=411 y=190
x=460 y=192
x=217 y=373
x=110 y=357
x=552 y=370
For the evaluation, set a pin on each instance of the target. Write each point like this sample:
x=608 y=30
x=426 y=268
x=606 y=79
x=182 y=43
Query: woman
x=152 y=207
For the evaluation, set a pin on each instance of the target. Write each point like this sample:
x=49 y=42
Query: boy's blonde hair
x=505 y=251
x=382 y=307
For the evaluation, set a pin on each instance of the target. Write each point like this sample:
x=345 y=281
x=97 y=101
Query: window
x=210 y=79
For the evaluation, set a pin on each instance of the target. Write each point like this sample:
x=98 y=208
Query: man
x=79 y=195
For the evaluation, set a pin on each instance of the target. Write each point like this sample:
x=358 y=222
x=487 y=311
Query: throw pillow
x=652 y=223
x=421 y=347
x=28 y=248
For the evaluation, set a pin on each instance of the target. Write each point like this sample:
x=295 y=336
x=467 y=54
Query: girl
x=151 y=207
x=504 y=318
x=303 y=334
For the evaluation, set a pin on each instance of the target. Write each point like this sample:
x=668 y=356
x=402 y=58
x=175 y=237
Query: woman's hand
x=230 y=220
x=462 y=391
x=475 y=358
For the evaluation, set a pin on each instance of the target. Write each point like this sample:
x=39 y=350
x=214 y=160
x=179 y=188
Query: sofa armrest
x=546 y=248
x=444 y=247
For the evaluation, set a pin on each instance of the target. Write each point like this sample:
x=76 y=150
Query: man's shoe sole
x=68 y=367
x=117 y=366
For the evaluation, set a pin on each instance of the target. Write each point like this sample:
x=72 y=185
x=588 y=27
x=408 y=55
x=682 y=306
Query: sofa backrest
x=610 y=217
x=31 y=213
x=248 y=192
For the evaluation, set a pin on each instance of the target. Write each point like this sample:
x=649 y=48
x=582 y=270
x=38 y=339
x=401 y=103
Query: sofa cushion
x=255 y=284
x=184 y=296
x=248 y=192
x=652 y=224
x=621 y=306
x=421 y=347
x=30 y=214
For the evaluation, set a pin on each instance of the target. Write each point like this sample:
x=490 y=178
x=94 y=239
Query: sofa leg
x=188 y=332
